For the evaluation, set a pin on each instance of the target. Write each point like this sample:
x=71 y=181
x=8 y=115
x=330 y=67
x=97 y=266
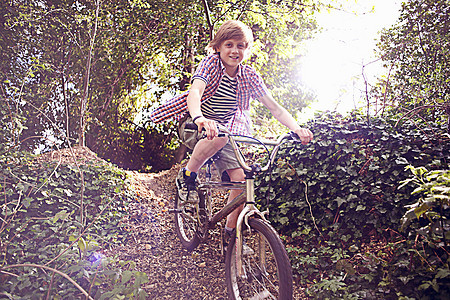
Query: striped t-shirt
x=222 y=105
x=211 y=70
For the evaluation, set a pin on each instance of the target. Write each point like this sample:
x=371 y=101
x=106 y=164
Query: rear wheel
x=188 y=214
x=267 y=270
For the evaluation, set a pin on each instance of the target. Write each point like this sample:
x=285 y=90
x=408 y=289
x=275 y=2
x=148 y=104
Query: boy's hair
x=231 y=30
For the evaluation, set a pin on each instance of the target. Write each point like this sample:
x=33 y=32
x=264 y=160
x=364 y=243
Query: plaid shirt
x=249 y=86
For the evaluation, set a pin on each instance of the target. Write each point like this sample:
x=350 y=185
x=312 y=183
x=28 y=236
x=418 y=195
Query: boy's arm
x=285 y=118
x=194 y=106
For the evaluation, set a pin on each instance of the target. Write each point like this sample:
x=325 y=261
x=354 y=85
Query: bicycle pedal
x=192 y=201
x=202 y=234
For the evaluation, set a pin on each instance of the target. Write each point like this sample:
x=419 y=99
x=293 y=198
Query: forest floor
x=174 y=272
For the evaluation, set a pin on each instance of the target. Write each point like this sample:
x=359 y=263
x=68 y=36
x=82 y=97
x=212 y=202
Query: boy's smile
x=232 y=53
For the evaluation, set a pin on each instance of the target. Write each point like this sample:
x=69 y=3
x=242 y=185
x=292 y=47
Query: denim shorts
x=225 y=159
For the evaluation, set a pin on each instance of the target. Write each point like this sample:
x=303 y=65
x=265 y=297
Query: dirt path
x=174 y=273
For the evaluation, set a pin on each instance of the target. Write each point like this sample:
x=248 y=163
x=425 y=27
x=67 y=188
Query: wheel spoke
x=267 y=269
x=187 y=219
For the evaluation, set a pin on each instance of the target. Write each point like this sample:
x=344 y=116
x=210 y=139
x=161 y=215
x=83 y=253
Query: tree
x=46 y=74
x=416 y=50
x=84 y=69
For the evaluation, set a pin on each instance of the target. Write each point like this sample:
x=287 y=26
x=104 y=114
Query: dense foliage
x=416 y=52
x=341 y=194
x=55 y=220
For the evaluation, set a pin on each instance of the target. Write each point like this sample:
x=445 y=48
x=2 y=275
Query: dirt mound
x=71 y=156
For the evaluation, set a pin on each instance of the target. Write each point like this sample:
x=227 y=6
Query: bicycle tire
x=187 y=222
x=275 y=282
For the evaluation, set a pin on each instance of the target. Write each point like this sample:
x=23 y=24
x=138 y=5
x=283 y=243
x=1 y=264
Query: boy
x=220 y=93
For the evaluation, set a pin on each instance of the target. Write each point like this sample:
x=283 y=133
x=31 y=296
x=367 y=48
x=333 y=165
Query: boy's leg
x=235 y=175
x=204 y=149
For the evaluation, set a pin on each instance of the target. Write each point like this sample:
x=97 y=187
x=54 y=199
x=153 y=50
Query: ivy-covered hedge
x=339 y=195
x=55 y=219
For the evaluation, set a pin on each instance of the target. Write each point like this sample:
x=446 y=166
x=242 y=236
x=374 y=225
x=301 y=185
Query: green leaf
x=423 y=208
x=141 y=278
x=442 y=273
x=60 y=215
x=340 y=201
x=360 y=207
x=126 y=276
x=82 y=244
x=402 y=161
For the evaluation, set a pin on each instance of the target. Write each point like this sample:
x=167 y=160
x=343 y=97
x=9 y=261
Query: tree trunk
x=84 y=100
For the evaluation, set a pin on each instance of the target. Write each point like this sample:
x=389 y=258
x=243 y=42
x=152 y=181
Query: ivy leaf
x=340 y=200
x=60 y=215
x=402 y=161
x=284 y=220
x=351 y=197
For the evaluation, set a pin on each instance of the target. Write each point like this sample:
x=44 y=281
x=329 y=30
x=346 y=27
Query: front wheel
x=188 y=214
x=267 y=273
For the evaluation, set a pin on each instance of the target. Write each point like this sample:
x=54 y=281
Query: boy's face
x=232 y=53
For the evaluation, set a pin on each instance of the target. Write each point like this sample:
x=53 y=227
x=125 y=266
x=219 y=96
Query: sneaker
x=226 y=237
x=186 y=185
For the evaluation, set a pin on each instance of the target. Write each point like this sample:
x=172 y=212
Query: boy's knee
x=236 y=174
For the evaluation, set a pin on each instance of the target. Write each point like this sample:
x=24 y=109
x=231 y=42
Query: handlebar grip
x=294 y=137
x=191 y=126
x=194 y=126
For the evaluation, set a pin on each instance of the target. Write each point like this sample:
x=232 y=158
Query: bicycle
x=264 y=272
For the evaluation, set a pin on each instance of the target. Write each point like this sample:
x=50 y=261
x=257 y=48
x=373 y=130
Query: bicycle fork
x=249 y=210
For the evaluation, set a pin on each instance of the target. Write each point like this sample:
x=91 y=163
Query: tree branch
x=208 y=19
x=53 y=270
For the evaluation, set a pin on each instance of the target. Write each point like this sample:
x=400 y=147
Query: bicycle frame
x=247 y=196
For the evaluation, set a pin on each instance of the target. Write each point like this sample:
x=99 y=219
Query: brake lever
x=294 y=137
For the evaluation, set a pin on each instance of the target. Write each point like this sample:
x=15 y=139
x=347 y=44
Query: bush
x=339 y=194
x=55 y=221
x=426 y=223
x=145 y=148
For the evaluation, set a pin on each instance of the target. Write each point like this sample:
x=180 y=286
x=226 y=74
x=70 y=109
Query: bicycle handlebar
x=291 y=136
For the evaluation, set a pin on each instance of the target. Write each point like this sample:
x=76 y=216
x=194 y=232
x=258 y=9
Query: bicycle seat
x=224 y=176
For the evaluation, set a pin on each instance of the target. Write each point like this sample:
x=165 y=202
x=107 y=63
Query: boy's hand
x=305 y=135
x=209 y=125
